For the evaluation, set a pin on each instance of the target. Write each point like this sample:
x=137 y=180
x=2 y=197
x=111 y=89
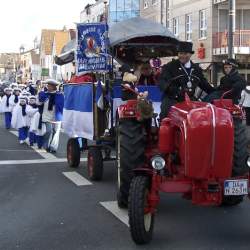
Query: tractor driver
x=180 y=76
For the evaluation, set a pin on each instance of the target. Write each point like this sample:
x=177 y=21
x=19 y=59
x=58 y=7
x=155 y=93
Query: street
x=46 y=205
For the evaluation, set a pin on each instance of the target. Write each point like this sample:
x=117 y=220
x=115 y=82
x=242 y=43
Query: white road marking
x=121 y=214
x=41 y=152
x=78 y=179
x=39 y=161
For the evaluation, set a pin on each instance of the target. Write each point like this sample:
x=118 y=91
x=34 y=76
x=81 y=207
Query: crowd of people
x=35 y=110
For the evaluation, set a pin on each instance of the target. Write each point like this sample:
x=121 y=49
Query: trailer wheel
x=141 y=221
x=73 y=152
x=240 y=156
x=130 y=155
x=95 y=164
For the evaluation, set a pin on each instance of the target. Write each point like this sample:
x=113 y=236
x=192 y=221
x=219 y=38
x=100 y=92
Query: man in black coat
x=179 y=77
x=232 y=81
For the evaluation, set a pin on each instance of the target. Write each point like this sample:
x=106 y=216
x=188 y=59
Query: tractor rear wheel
x=130 y=155
x=240 y=156
x=95 y=164
x=141 y=220
x=73 y=152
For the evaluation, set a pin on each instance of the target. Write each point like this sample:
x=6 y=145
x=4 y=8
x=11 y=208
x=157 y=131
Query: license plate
x=236 y=187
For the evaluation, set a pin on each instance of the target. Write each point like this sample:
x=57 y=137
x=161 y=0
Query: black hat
x=185 y=47
x=231 y=61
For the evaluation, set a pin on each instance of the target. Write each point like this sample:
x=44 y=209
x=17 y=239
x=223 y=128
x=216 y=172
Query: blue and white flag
x=78 y=111
x=154 y=95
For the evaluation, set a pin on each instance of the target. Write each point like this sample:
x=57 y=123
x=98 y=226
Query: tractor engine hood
x=207 y=139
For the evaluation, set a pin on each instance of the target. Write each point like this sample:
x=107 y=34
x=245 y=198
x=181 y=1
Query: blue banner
x=91 y=54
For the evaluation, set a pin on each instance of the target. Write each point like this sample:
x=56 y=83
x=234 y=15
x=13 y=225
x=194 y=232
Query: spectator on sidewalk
x=53 y=102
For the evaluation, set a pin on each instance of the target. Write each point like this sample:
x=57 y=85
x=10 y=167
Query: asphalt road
x=40 y=208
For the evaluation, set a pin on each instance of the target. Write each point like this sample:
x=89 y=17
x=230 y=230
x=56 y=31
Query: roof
x=61 y=38
x=47 y=38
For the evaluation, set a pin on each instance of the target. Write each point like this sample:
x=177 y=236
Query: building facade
x=120 y=10
x=29 y=68
x=52 y=42
x=8 y=66
x=205 y=23
x=94 y=13
x=115 y=10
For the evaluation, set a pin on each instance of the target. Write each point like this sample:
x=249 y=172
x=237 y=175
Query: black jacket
x=233 y=82
x=173 y=77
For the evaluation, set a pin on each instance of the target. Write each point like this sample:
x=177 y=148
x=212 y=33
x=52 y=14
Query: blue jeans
x=7 y=116
x=32 y=138
x=23 y=133
x=52 y=135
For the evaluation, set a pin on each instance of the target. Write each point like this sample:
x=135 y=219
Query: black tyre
x=240 y=156
x=95 y=164
x=130 y=155
x=140 y=220
x=73 y=153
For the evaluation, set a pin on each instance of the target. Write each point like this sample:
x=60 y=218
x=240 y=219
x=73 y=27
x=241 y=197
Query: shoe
x=21 y=142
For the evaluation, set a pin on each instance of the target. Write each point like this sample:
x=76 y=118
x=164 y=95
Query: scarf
x=23 y=110
x=51 y=101
x=8 y=102
x=16 y=99
x=33 y=106
x=40 y=110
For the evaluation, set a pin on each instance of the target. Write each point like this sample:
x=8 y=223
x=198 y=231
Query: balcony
x=241 y=42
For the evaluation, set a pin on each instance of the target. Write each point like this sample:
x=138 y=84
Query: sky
x=22 y=20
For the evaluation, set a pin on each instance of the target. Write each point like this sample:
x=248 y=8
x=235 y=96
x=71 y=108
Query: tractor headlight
x=248 y=161
x=158 y=163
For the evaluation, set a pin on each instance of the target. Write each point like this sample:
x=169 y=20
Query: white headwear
x=7 y=89
x=52 y=82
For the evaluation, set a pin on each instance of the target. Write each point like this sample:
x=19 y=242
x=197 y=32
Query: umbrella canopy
x=137 y=28
x=137 y=40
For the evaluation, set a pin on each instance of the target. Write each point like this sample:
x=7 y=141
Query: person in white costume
x=6 y=107
x=20 y=119
x=31 y=111
x=15 y=97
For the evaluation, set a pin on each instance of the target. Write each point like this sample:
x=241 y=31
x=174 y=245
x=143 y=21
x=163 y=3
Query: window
x=145 y=4
x=176 y=26
x=203 y=24
x=189 y=27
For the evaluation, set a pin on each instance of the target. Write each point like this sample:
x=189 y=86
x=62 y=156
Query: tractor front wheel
x=130 y=155
x=141 y=220
x=73 y=152
x=95 y=164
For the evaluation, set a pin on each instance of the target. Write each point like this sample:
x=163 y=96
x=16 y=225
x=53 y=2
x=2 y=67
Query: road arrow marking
x=78 y=179
x=121 y=214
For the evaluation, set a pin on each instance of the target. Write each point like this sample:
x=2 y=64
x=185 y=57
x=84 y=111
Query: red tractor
x=199 y=151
